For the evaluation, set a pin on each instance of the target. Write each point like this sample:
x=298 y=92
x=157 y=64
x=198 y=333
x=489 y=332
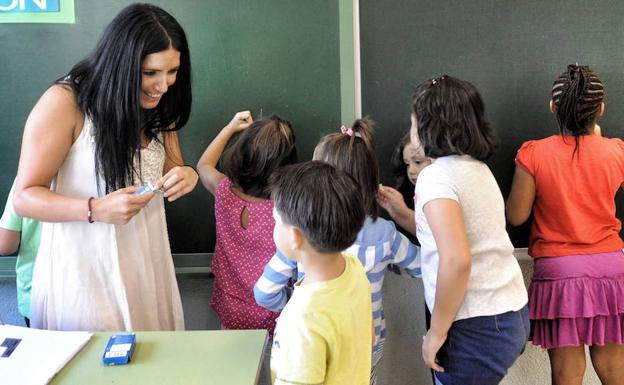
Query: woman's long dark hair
x=108 y=89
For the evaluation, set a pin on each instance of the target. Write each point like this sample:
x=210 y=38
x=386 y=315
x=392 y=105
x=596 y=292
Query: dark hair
x=354 y=154
x=399 y=170
x=451 y=119
x=108 y=88
x=325 y=203
x=258 y=151
x=577 y=94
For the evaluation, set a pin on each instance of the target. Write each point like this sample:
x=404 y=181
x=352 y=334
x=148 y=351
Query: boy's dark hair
x=108 y=89
x=356 y=155
x=258 y=151
x=451 y=119
x=577 y=94
x=399 y=170
x=323 y=202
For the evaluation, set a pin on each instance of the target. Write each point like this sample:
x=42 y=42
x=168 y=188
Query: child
x=377 y=245
x=323 y=335
x=407 y=162
x=473 y=284
x=243 y=213
x=569 y=182
x=17 y=232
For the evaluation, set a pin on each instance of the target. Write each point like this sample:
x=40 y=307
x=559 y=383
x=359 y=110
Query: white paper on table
x=40 y=355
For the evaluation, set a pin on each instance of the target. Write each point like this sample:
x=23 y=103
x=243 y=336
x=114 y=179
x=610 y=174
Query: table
x=210 y=357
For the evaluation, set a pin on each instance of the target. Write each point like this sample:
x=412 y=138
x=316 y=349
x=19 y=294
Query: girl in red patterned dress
x=243 y=213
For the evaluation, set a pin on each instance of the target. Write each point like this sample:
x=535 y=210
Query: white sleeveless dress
x=103 y=277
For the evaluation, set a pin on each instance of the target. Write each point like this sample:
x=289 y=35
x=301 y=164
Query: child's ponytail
x=352 y=150
x=364 y=129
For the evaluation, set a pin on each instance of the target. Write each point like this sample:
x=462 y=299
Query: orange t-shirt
x=574 y=208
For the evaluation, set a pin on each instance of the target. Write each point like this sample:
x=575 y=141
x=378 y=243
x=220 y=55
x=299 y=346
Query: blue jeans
x=479 y=350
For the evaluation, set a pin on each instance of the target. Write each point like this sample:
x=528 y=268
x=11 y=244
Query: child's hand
x=432 y=342
x=240 y=121
x=391 y=200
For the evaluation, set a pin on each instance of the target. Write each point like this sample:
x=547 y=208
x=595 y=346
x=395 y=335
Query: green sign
x=37 y=11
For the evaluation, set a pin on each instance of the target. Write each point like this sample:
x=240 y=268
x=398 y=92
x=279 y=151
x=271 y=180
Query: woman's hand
x=179 y=181
x=432 y=342
x=119 y=206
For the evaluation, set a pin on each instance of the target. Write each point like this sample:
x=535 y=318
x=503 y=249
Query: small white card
x=120 y=347
x=115 y=354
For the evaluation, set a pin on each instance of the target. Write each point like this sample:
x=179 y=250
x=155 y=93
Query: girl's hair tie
x=436 y=81
x=346 y=131
x=349 y=131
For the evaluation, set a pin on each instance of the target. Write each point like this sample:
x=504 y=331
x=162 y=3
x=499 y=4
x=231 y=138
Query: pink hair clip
x=346 y=131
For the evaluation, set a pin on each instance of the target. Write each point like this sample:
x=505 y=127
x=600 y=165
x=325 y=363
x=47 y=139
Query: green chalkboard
x=511 y=50
x=280 y=56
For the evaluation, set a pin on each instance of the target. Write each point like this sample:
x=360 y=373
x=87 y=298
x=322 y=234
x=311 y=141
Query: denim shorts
x=480 y=350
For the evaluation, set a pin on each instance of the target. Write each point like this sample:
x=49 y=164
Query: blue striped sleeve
x=272 y=291
x=405 y=254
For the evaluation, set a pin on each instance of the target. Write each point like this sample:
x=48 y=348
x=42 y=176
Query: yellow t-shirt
x=323 y=335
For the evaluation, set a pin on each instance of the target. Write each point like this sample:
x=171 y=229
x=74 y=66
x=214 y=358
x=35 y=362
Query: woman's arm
x=50 y=130
x=521 y=198
x=207 y=165
x=178 y=179
x=447 y=224
x=48 y=136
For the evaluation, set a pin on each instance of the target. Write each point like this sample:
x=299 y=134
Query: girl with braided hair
x=569 y=182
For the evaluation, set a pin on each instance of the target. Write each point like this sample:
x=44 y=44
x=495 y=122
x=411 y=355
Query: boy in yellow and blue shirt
x=324 y=334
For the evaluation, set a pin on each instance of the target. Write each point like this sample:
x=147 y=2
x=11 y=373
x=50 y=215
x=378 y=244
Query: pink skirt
x=577 y=300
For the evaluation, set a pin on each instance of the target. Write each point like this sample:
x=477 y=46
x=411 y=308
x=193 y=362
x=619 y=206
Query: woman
x=104 y=261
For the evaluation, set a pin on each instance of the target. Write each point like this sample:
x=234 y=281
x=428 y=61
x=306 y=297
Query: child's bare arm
x=206 y=167
x=520 y=202
x=392 y=201
x=9 y=241
x=447 y=224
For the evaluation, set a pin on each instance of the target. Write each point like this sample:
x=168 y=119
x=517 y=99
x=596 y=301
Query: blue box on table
x=119 y=349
